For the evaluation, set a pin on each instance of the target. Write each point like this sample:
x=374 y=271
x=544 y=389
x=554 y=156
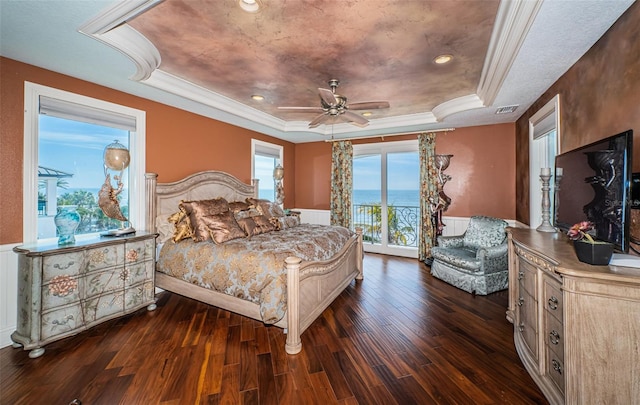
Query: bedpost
x=150 y=180
x=256 y=191
x=360 y=254
x=294 y=344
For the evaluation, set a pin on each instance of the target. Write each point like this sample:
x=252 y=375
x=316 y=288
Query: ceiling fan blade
x=355 y=118
x=320 y=119
x=301 y=109
x=327 y=96
x=369 y=105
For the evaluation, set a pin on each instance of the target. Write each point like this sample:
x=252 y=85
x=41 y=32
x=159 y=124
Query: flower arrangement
x=580 y=231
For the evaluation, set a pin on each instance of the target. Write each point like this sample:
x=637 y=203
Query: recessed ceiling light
x=257 y=97
x=250 y=6
x=442 y=59
x=366 y=114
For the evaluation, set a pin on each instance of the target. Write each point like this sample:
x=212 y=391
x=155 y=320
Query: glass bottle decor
x=67 y=220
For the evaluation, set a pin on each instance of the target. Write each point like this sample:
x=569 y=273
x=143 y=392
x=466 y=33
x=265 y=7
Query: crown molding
x=513 y=21
x=457 y=105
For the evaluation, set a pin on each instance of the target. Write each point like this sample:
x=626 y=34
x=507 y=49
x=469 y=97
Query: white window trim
x=137 y=144
x=541 y=124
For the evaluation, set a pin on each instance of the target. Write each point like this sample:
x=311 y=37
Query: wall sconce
x=278 y=175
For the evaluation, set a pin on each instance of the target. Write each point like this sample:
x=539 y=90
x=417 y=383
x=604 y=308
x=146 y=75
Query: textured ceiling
x=379 y=50
x=208 y=57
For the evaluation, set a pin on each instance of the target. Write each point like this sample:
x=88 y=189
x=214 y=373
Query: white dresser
x=576 y=326
x=63 y=290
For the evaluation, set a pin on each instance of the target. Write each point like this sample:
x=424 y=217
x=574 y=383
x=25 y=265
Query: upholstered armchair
x=476 y=261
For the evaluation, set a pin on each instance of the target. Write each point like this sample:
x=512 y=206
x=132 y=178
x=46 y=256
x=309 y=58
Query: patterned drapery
x=341 y=183
x=428 y=192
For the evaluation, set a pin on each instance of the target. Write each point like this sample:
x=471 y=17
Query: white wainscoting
x=8 y=293
x=320 y=217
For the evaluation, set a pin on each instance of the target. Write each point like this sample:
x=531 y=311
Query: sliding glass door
x=386 y=197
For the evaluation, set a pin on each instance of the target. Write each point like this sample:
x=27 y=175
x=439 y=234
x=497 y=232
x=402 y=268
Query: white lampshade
x=116 y=156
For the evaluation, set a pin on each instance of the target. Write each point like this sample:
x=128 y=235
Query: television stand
x=625 y=260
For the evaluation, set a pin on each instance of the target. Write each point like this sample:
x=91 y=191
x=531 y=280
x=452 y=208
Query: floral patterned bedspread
x=252 y=269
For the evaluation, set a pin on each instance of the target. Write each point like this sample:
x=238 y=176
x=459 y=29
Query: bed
x=311 y=286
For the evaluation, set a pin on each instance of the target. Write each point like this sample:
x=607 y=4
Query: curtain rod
x=382 y=136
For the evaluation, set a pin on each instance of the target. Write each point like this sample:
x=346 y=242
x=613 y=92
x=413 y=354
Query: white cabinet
x=63 y=290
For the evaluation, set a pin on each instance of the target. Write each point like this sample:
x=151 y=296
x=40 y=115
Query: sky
x=77 y=148
x=403 y=171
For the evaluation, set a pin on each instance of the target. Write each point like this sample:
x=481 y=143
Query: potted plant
x=588 y=249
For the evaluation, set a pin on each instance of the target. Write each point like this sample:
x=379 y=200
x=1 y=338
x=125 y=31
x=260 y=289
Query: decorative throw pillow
x=250 y=212
x=201 y=208
x=267 y=208
x=278 y=223
x=182 y=223
x=237 y=206
x=290 y=221
x=223 y=227
x=249 y=227
x=263 y=223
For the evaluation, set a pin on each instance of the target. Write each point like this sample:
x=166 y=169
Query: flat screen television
x=593 y=183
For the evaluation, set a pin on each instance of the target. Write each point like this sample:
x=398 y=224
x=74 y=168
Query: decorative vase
x=598 y=253
x=67 y=220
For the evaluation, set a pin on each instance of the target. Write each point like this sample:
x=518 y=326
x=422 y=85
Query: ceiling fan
x=335 y=106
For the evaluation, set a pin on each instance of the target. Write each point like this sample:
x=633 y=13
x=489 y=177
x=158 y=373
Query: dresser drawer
x=527 y=277
x=60 y=290
x=527 y=313
x=69 y=264
x=103 y=306
x=552 y=296
x=555 y=370
x=554 y=335
x=60 y=321
x=104 y=257
x=139 y=295
x=139 y=251
x=104 y=281
x=138 y=272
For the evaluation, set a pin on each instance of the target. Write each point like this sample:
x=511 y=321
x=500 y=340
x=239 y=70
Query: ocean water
x=394 y=197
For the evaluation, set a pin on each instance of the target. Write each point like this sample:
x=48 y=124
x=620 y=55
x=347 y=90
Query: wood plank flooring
x=397 y=337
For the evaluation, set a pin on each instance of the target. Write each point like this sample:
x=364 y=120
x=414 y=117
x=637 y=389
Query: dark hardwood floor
x=397 y=337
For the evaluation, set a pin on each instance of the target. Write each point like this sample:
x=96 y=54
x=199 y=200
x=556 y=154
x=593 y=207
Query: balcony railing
x=403 y=224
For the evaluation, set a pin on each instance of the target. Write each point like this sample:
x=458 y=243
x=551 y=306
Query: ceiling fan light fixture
x=250 y=6
x=257 y=97
x=442 y=59
x=367 y=114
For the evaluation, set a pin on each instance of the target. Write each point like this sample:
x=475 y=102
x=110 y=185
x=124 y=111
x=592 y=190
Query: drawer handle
x=553 y=303
x=520 y=301
x=520 y=275
x=557 y=366
x=521 y=327
x=554 y=337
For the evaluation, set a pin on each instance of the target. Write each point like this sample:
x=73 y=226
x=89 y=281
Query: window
x=386 y=202
x=65 y=137
x=266 y=156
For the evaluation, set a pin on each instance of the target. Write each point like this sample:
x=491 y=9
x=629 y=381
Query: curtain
x=341 y=183
x=428 y=192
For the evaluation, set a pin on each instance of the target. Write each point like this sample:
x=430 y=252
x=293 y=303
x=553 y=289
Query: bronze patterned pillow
x=237 y=206
x=263 y=223
x=223 y=227
x=201 y=208
x=249 y=226
x=250 y=212
x=267 y=208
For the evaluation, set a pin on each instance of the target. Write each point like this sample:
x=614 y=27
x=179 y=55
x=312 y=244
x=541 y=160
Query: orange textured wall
x=178 y=142
x=482 y=170
x=598 y=98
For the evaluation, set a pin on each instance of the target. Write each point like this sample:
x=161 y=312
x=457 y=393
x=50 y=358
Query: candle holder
x=545 y=226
